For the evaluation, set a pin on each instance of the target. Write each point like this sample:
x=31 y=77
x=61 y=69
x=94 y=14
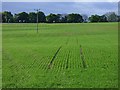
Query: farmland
x=60 y=55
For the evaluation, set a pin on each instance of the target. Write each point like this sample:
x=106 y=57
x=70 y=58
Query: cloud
x=88 y=8
x=96 y=7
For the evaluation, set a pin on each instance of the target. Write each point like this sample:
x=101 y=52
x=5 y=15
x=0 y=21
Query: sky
x=60 y=0
x=87 y=8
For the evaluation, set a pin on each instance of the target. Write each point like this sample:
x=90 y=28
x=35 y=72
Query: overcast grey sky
x=62 y=7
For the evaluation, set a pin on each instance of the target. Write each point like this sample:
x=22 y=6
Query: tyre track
x=53 y=58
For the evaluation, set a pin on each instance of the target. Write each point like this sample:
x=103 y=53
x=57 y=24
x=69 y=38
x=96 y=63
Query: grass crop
x=26 y=55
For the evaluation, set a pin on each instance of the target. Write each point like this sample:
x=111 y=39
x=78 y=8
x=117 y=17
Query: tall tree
x=74 y=18
x=111 y=17
x=62 y=18
x=94 y=18
x=52 y=18
x=103 y=18
x=97 y=18
x=32 y=17
x=7 y=17
x=22 y=17
x=41 y=17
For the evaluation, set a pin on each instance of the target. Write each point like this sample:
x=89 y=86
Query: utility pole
x=37 y=17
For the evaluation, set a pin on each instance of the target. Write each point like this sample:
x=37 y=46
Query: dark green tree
x=94 y=18
x=62 y=18
x=32 y=17
x=74 y=18
x=22 y=17
x=103 y=18
x=118 y=18
x=7 y=17
x=41 y=17
x=52 y=18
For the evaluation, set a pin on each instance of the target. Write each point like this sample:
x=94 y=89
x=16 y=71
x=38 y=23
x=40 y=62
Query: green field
x=0 y=56
x=60 y=55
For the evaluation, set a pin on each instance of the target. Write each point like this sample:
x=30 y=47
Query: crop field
x=0 y=56
x=60 y=55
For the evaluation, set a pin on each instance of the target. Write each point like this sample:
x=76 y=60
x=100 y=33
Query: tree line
x=31 y=17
